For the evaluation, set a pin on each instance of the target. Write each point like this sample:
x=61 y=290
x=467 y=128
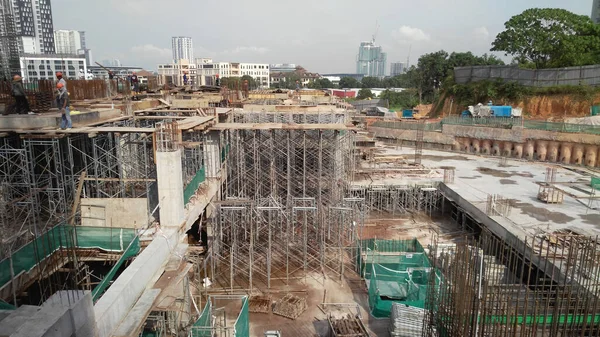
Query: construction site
x=288 y=214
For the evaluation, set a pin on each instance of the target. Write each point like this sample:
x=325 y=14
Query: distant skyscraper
x=397 y=68
x=183 y=49
x=596 y=11
x=72 y=42
x=33 y=21
x=370 y=60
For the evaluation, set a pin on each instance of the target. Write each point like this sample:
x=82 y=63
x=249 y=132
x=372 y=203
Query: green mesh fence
x=192 y=187
x=395 y=271
x=509 y=123
x=405 y=125
x=203 y=326
x=24 y=259
x=224 y=152
x=596 y=110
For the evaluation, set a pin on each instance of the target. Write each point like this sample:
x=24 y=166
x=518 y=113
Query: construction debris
x=290 y=306
x=406 y=321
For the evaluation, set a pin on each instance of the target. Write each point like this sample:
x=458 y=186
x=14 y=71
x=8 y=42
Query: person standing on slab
x=62 y=102
x=18 y=92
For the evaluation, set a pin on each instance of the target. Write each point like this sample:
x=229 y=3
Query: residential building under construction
x=228 y=212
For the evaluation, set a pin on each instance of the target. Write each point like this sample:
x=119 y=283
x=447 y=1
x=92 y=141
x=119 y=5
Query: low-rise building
x=123 y=72
x=44 y=66
x=173 y=73
x=300 y=74
x=205 y=72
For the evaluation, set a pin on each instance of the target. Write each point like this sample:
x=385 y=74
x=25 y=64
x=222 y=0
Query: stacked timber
x=290 y=306
x=347 y=327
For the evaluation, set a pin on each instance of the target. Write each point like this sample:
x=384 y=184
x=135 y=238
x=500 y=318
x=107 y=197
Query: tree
x=550 y=38
x=364 y=93
x=251 y=82
x=231 y=82
x=349 y=82
x=371 y=82
x=432 y=70
x=321 y=83
x=406 y=99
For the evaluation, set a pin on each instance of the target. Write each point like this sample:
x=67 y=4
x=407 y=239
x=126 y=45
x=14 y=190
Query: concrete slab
x=132 y=324
x=52 y=119
x=16 y=319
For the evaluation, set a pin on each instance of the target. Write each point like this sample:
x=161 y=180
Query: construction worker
x=185 y=78
x=60 y=79
x=18 y=92
x=62 y=102
x=135 y=83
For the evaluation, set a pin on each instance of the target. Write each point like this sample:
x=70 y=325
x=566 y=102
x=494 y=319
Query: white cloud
x=152 y=51
x=481 y=33
x=410 y=34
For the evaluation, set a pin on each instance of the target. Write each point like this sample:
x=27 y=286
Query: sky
x=321 y=35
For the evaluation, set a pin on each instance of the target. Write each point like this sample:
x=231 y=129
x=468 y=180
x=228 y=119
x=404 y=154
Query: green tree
x=406 y=99
x=371 y=82
x=364 y=93
x=231 y=82
x=433 y=68
x=550 y=38
x=349 y=82
x=252 y=85
x=321 y=83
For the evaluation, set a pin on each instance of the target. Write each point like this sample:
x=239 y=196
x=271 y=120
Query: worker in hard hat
x=60 y=79
x=62 y=103
x=18 y=92
x=135 y=83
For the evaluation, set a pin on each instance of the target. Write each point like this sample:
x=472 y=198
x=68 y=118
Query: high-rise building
x=183 y=49
x=72 y=42
x=370 y=60
x=10 y=42
x=596 y=11
x=33 y=22
x=397 y=68
x=69 y=41
x=111 y=63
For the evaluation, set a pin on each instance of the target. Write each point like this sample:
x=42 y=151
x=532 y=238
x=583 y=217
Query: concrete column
x=518 y=151
x=465 y=145
x=507 y=149
x=590 y=155
x=456 y=146
x=529 y=150
x=486 y=146
x=565 y=153
x=212 y=154
x=553 y=151
x=542 y=150
x=577 y=157
x=170 y=188
x=496 y=148
x=476 y=146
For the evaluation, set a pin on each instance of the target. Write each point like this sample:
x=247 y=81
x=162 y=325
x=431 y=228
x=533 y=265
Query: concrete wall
x=290 y=108
x=540 y=145
x=66 y=313
x=118 y=212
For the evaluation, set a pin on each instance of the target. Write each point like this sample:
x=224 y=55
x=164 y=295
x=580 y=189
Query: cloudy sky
x=321 y=35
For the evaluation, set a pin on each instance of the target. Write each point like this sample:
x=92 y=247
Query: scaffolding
x=398 y=199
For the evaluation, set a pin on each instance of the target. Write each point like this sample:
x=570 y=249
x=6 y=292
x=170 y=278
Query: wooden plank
x=126 y=180
x=77 y=198
x=192 y=122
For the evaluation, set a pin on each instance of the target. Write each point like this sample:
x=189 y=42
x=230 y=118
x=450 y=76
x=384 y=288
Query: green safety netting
x=509 y=123
x=595 y=183
x=192 y=187
x=62 y=236
x=596 y=110
x=132 y=250
x=224 y=152
x=395 y=271
x=6 y=306
x=242 y=324
x=203 y=326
